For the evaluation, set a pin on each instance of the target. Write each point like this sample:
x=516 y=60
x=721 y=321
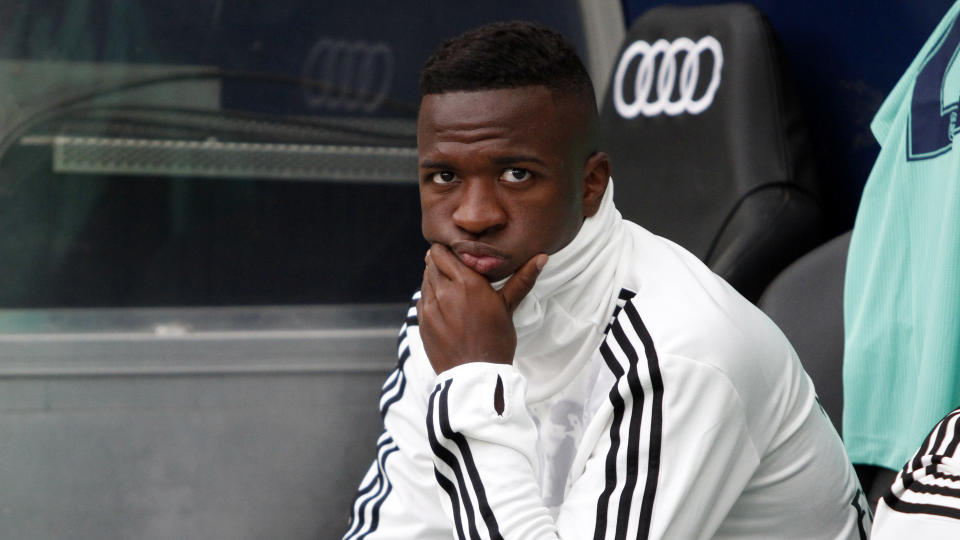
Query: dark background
x=189 y=241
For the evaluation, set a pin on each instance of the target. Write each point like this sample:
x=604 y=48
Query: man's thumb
x=520 y=283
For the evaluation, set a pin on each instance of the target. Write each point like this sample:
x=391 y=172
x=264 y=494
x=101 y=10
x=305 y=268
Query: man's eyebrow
x=429 y=164
x=498 y=160
x=519 y=158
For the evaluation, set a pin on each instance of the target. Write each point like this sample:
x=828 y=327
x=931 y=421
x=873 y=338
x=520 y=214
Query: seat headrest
x=699 y=115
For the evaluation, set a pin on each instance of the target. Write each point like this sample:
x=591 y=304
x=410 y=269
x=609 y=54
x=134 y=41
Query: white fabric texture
x=647 y=400
x=561 y=321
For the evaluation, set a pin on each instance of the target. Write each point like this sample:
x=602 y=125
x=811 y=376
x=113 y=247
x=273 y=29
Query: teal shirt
x=901 y=366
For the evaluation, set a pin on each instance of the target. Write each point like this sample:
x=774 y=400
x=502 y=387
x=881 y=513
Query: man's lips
x=480 y=257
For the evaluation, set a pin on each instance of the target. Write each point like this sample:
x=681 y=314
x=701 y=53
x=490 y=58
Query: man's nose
x=479 y=210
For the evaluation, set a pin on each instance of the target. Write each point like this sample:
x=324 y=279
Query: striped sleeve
x=396 y=383
x=374 y=490
x=924 y=500
x=485 y=462
x=460 y=478
x=397 y=498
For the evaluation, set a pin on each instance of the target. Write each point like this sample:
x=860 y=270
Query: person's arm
x=397 y=497
x=924 y=500
x=485 y=456
x=482 y=438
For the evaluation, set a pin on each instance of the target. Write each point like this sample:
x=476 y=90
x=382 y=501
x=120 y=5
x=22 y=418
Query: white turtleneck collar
x=560 y=323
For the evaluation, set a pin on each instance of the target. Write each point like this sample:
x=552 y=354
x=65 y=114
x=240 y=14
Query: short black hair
x=507 y=55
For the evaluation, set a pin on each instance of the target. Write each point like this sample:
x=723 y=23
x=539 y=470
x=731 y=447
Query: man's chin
x=502 y=274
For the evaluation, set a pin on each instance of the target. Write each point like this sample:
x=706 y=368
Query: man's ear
x=596 y=176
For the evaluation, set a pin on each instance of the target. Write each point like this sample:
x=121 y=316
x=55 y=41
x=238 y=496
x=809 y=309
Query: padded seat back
x=707 y=143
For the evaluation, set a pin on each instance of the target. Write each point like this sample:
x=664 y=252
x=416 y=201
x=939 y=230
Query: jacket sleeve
x=924 y=500
x=397 y=497
x=485 y=461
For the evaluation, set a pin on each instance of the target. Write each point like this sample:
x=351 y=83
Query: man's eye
x=515 y=175
x=443 y=177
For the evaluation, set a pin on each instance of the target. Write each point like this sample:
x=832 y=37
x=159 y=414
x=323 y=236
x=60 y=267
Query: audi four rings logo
x=348 y=75
x=667 y=77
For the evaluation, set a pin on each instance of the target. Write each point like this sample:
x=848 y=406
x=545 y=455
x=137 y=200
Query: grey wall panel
x=235 y=423
x=209 y=457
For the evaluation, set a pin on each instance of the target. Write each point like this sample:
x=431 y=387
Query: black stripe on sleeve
x=625 y=294
x=950 y=425
x=399 y=383
x=930 y=444
x=633 y=442
x=925 y=448
x=931 y=473
x=357 y=518
x=629 y=364
x=926 y=466
x=934 y=440
x=611 y=360
x=375 y=510
x=380 y=482
x=447 y=486
x=402 y=335
x=485 y=511
x=914 y=508
x=395 y=376
x=656 y=419
x=616 y=400
x=412 y=310
x=447 y=457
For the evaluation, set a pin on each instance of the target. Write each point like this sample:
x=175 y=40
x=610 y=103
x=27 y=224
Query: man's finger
x=449 y=265
x=425 y=293
x=431 y=271
x=522 y=281
x=427 y=304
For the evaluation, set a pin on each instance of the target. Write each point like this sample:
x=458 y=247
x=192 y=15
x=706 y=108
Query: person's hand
x=462 y=317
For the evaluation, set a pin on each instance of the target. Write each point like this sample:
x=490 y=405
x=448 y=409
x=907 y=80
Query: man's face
x=500 y=175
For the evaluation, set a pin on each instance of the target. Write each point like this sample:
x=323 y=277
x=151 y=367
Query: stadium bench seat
x=707 y=142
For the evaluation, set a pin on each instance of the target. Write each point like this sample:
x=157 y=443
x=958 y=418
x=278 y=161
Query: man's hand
x=464 y=319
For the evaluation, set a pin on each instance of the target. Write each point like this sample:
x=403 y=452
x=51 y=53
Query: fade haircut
x=507 y=55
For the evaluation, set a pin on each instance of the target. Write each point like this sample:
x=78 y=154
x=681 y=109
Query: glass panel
x=218 y=153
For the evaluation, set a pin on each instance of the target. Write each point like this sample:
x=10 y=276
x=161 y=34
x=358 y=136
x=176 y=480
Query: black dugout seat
x=707 y=142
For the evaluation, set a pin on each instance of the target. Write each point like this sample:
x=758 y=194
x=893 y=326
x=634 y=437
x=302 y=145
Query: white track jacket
x=647 y=399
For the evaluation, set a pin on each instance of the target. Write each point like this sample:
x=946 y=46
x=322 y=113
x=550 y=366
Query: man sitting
x=565 y=373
